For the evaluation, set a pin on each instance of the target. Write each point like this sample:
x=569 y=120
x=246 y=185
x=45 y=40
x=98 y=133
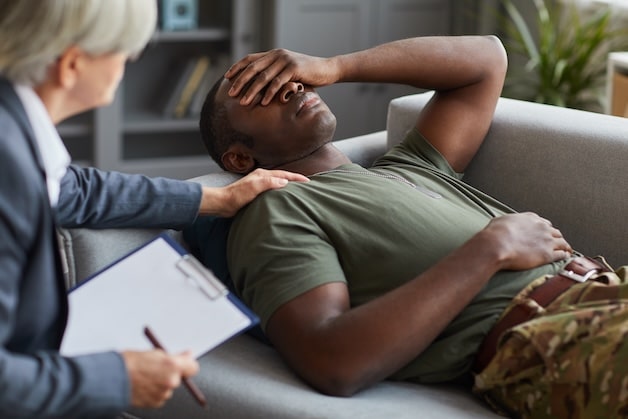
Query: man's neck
x=326 y=157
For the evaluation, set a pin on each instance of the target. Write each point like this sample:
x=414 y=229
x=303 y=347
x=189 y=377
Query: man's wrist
x=493 y=252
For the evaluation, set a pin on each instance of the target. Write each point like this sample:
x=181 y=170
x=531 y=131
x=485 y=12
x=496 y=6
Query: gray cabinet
x=331 y=27
x=132 y=134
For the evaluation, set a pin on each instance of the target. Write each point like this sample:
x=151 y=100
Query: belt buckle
x=577 y=277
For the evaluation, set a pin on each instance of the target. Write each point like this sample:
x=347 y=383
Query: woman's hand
x=227 y=201
x=154 y=375
x=269 y=71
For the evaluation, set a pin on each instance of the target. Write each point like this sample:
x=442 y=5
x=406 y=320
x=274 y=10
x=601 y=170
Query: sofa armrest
x=565 y=164
x=86 y=251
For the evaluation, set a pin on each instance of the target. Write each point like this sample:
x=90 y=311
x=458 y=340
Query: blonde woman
x=59 y=58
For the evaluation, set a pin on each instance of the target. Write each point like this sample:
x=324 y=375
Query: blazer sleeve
x=47 y=385
x=98 y=199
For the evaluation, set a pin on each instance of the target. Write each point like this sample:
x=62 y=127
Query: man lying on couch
x=402 y=271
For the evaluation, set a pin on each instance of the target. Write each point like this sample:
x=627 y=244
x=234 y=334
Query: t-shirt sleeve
x=276 y=252
x=416 y=150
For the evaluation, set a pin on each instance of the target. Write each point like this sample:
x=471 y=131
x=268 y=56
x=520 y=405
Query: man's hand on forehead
x=268 y=72
x=257 y=98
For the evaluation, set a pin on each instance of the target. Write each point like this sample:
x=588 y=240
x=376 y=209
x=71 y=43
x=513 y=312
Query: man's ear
x=68 y=66
x=238 y=159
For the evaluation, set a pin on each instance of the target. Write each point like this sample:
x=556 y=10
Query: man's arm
x=340 y=350
x=466 y=73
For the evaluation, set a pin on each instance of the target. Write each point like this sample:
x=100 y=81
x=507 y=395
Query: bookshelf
x=132 y=134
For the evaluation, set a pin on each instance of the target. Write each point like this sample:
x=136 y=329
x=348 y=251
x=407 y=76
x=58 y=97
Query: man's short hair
x=216 y=131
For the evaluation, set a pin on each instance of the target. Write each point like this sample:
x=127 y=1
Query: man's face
x=292 y=126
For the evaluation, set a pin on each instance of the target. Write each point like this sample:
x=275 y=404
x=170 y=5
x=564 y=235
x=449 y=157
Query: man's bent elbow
x=499 y=58
x=337 y=388
x=338 y=383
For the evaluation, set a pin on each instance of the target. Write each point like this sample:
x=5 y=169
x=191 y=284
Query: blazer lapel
x=13 y=105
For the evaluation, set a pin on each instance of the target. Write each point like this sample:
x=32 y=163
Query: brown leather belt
x=577 y=270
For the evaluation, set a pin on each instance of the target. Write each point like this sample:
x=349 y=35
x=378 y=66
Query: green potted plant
x=565 y=51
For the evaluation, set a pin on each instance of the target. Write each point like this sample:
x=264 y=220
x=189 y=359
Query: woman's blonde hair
x=34 y=33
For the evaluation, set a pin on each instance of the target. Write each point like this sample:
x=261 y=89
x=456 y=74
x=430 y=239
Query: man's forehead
x=222 y=93
x=222 y=96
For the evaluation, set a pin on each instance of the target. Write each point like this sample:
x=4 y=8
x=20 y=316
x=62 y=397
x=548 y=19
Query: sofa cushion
x=244 y=379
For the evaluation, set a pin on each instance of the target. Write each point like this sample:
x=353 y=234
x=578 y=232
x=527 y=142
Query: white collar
x=54 y=155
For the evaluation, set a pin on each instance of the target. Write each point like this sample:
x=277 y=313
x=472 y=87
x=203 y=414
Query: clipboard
x=158 y=285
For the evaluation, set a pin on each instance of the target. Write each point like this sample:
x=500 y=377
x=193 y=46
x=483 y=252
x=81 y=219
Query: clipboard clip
x=201 y=276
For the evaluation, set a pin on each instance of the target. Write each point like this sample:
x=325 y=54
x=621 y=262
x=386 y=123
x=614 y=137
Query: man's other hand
x=526 y=241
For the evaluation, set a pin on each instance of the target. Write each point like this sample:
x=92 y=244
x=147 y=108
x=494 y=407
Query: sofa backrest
x=565 y=164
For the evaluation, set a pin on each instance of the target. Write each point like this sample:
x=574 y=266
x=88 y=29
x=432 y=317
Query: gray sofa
x=564 y=164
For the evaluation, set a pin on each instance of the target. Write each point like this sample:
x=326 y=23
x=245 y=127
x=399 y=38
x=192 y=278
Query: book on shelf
x=192 y=84
x=184 y=85
x=218 y=68
x=198 y=99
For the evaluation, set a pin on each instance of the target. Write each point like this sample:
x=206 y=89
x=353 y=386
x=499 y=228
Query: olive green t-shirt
x=373 y=229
